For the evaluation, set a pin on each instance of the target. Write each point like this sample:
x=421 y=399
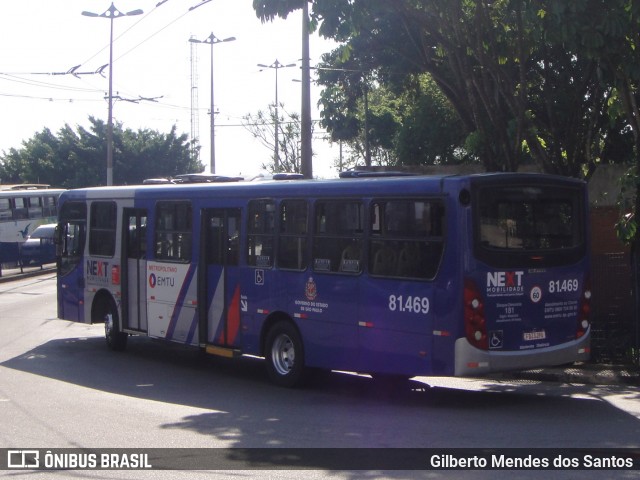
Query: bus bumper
x=471 y=362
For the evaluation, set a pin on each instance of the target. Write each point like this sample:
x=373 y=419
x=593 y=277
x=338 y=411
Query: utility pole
x=212 y=40
x=111 y=13
x=367 y=147
x=276 y=154
x=305 y=107
x=195 y=113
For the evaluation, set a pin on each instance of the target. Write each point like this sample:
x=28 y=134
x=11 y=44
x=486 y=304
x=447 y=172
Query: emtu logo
x=504 y=279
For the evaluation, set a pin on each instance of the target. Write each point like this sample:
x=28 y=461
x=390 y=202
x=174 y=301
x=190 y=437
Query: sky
x=42 y=39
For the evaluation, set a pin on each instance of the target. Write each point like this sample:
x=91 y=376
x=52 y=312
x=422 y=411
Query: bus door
x=219 y=277
x=134 y=310
x=70 y=241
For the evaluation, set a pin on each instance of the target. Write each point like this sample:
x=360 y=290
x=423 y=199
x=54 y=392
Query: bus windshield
x=534 y=224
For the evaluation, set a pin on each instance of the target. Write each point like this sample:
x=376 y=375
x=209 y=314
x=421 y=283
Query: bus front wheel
x=116 y=340
x=284 y=355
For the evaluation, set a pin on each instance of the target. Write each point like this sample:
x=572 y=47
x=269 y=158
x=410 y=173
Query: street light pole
x=276 y=66
x=306 y=163
x=212 y=40
x=111 y=13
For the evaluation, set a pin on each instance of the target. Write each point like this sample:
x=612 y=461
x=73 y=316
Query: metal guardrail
x=17 y=272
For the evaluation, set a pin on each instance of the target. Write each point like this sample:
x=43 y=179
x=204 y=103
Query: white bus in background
x=23 y=208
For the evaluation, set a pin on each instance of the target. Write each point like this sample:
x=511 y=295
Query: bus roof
x=302 y=188
x=350 y=186
x=31 y=193
x=25 y=186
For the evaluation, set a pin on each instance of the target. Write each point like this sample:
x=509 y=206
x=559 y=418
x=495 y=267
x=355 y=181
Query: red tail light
x=475 y=324
x=584 y=311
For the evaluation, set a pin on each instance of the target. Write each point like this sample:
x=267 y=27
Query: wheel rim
x=108 y=324
x=283 y=354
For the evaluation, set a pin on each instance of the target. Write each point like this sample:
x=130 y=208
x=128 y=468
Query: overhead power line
x=18 y=79
x=72 y=71
x=49 y=99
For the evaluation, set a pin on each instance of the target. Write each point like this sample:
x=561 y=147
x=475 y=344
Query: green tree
x=34 y=163
x=72 y=159
x=608 y=32
x=522 y=93
x=148 y=153
x=431 y=132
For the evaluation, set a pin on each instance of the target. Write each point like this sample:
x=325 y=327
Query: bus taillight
x=475 y=324
x=584 y=311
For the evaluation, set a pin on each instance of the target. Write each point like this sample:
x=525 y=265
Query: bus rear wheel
x=284 y=355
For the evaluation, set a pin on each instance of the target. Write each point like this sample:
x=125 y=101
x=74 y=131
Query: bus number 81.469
x=557 y=286
x=408 y=304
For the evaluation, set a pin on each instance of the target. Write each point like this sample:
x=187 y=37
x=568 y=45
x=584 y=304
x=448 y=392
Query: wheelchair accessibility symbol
x=495 y=339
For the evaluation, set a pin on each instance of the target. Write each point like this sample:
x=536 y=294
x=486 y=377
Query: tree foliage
x=431 y=133
x=531 y=81
x=77 y=158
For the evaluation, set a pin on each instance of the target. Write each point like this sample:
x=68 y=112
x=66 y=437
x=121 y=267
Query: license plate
x=538 y=335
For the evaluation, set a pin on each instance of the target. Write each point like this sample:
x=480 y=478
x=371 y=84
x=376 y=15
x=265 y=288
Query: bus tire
x=284 y=353
x=116 y=340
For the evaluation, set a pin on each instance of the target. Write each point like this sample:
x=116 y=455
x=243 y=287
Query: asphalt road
x=61 y=388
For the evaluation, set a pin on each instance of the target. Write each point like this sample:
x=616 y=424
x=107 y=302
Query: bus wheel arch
x=283 y=350
x=104 y=309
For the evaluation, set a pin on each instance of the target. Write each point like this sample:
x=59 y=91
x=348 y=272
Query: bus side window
x=261 y=230
x=292 y=243
x=73 y=221
x=233 y=238
x=384 y=258
x=20 y=210
x=102 y=232
x=73 y=239
x=222 y=237
x=337 y=240
x=406 y=238
x=173 y=234
x=5 y=209
x=49 y=206
x=34 y=207
x=137 y=245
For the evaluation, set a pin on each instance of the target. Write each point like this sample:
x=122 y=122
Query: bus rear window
x=517 y=223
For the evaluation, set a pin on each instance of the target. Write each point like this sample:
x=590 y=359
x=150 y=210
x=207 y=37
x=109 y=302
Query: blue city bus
x=391 y=276
x=23 y=208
